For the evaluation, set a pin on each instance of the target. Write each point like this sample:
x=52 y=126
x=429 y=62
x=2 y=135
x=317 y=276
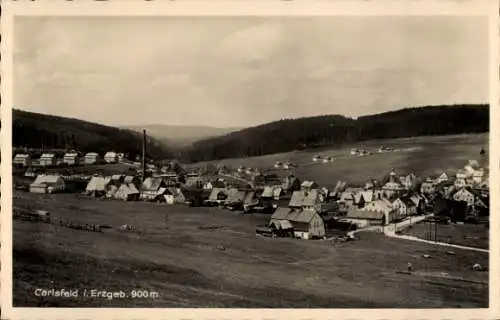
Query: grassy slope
x=423 y=156
x=173 y=257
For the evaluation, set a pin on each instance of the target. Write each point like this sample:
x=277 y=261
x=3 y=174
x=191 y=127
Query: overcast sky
x=232 y=72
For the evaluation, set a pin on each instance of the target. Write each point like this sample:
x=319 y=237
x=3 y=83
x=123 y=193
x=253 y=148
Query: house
x=194 y=180
x=71 y=158
x=127 y=191
x=384 y=206
x=97 y=186
x=91 y=158
x=217 y=196
x=407 y=182
x=305 y=224
x=48 y=159
x=48 y=184
x=111 y=157
x=216 y=184
x=392 y=190
x=235 y=197
x=272 y=192
x=290 y=184
x=174 y=195
x=306 y=199
x=404 y=207
x=153 y=188
x=30 y=172
x=364 y=219
x=477 y=176
x=378 y=212
x=441 y=178
x=22 y=160
x=309 y=185
x=427 y=187
x=464 y=195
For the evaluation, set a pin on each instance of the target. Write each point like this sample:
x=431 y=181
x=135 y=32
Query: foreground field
x=422 y=155
x=206 y=257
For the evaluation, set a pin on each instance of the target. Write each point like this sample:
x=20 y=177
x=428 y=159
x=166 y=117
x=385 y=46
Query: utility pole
x=143 y=155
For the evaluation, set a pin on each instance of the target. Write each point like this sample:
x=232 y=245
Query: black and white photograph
x=265 y=161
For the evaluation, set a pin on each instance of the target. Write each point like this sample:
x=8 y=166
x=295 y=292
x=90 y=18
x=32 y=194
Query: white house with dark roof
x=22 y=159
x=111 y=157
x=305 y=224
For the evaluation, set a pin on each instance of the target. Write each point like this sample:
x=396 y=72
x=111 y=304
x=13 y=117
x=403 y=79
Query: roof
x=281 y=213
x=360 y=214
x=127 y=188
x=378 y=205
x=129 y=179
x=305 y=198
x=301 y=216
x=392 y=186
x=235 y=195
x=408 y=201
x=110 y=154
x=47 y=179
x=215 y=192
x=22 y=155
x=71 y=154
x=152 y=183
x=308 y=184
x=268 y=192
x=47 y=155
x=282 y=224
x=97 y=183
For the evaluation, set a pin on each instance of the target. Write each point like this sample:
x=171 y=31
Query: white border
x=242 y=8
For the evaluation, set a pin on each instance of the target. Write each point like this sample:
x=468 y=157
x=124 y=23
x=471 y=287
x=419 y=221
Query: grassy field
x=470 y=235
x=207 y=257
x=422 y=155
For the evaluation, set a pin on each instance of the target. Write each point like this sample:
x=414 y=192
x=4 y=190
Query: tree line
x=329 y=130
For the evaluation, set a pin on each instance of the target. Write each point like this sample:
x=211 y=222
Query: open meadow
x=208 y=257
x=422 y=156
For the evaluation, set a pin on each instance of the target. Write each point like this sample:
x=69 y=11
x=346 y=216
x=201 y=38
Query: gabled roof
x=152 y=184
x=281 y=213
x=360 y=214
x=235 y=196
x=300 y=216
x=305 y=198
x=378 y=205
x=47 y=180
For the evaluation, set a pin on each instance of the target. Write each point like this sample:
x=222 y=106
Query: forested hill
x=291 y=134
x=34 y=130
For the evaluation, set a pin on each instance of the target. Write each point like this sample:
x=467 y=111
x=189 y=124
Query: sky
x=244 y=71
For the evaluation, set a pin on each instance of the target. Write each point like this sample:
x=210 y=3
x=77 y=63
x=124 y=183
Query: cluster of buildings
x=70 y=158
x=400 y=197
x=300 y=209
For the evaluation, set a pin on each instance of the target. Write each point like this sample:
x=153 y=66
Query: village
x=298 y=209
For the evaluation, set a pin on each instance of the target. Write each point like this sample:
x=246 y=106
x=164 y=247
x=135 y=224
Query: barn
x=305 y=224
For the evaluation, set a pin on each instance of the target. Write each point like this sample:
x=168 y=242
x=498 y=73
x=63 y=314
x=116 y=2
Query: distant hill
x=181 y=136
x=292 y=134
x=33 y=130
